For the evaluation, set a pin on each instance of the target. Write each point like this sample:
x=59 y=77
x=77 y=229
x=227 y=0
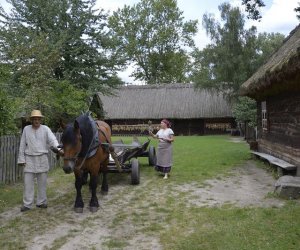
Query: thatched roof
x=177 y=101
x=279 y=73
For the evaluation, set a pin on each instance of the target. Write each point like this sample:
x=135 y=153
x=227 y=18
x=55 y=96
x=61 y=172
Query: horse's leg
x=85 y=175
x=93 y=185
x=104 y=186
x=78 y=207
x=104 y=170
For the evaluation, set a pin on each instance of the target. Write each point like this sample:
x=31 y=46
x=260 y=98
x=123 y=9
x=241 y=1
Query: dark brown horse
x=84 y=152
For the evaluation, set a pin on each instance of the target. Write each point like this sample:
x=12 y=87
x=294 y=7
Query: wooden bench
x=282 y=166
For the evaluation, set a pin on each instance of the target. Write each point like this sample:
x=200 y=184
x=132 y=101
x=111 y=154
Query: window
x=264 y=119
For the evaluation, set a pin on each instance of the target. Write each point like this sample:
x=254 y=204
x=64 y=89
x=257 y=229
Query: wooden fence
x=10 y=172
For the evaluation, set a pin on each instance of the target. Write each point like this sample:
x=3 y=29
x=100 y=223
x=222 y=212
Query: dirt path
x=245 y=186
x=112 y=226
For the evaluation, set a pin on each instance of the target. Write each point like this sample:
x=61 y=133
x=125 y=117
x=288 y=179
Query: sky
x=277 y=16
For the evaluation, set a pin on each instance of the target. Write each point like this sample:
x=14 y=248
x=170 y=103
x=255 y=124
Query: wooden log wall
x=282 y=137
x=218 y=125
x=283 y=114
x=180 y=126
x=10 y=172
x=284 y=152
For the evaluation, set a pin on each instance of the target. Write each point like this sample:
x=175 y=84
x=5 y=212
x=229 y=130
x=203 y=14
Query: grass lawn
x=168 y=217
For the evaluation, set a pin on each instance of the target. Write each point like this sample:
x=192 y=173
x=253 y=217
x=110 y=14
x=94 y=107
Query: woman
x=164 y=151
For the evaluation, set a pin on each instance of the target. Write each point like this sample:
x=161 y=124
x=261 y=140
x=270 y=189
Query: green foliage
x=7 y=115
x=267 y=44
x=252 y=7
x=52 y=44
x=59 y=39
x=235 y=53
x=7 y=104
x=228 y=61
x=152 y=35
x=244 y=110
x=66 y=100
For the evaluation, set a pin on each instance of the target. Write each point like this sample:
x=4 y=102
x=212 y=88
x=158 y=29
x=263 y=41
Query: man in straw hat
x=33 y=156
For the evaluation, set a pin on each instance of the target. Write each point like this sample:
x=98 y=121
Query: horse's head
x=71 y=142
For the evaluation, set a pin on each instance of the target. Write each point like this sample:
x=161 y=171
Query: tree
x=228 y=60
x=297 y=10
x=7 y=104
x=152 y=35
x=49 y=43
x=244 y=110
x=233 y=56
x=252 y=7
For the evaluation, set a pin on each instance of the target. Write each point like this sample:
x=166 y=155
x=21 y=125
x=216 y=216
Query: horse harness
x=92 y=148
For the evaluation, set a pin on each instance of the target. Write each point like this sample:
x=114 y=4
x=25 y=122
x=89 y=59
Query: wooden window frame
x=264 y=116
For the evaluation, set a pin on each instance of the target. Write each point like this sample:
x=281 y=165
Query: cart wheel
x=135 y=172
x=151 y=156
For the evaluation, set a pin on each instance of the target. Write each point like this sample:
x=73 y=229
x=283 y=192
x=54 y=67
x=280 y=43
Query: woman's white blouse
x=165 y=133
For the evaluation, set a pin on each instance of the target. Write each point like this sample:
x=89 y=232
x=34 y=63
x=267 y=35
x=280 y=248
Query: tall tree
x=54 y=42
x=252 y=7
x=152 y=34
x=234 y=54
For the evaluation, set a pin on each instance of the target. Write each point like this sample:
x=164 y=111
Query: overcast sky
x=277 y=16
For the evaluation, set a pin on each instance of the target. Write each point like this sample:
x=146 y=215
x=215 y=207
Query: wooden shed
x=276 y=88
x=191 y=111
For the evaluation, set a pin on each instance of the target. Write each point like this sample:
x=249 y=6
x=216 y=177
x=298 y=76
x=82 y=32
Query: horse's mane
x=89 y=135
x=68 y=136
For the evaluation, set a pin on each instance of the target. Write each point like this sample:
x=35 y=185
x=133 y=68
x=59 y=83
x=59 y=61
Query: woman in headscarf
x=164 y=151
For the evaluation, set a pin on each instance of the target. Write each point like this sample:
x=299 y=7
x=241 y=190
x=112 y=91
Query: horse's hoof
x=78 y=210
x=93 y=209
x=104 y=192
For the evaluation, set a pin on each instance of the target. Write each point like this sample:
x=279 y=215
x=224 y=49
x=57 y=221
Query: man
x=33 y=156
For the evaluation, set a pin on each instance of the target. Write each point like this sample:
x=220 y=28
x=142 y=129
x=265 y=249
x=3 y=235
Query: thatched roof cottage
x=191 y=111
x=276 y=87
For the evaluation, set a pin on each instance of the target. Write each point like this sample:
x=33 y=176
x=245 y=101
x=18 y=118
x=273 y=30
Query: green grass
x=197 y=158
x=10 y=195
x=166 y=215
x=234 y=228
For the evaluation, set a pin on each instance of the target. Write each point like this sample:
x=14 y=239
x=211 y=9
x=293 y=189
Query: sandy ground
x=247 y=185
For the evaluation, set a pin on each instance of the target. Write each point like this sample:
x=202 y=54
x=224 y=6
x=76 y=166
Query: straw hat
x=36 y=113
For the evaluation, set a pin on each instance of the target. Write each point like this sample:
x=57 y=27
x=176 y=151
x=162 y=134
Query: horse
x=84 y=152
